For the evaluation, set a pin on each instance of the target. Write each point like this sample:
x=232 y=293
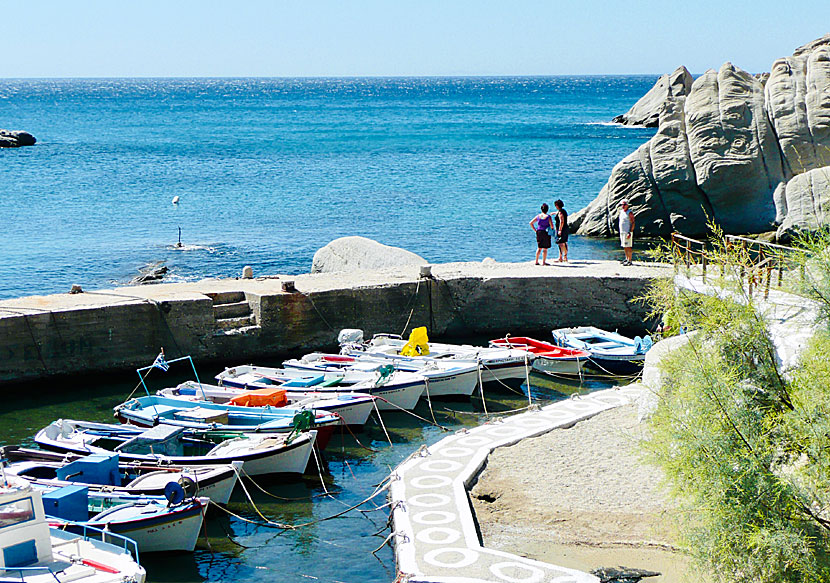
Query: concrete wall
x=46 y=336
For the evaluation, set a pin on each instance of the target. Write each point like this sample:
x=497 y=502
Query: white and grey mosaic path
x=436 y=539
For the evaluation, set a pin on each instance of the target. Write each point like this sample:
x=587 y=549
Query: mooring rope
x=408 y=412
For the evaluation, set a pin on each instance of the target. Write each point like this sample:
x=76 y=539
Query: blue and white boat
x=610 y=353
x=106 y=473
x=205 y=415
x=271 y=453
x=155 y=523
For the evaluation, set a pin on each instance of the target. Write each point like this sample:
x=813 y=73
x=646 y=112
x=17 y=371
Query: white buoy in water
x=176 y=199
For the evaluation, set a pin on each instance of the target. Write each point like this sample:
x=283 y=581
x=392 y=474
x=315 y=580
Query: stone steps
x=238 y=322
x=227 y=297
x=232 y=310
x=232 y=313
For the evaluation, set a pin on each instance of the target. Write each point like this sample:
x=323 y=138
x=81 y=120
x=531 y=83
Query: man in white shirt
x=626 y=231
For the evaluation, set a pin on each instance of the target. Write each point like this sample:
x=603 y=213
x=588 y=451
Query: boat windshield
x=16 y=512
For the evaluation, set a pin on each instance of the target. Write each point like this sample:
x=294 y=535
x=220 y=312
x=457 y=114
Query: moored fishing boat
x=260 y=454
x=155 y=523
x=548 y=358
x=207 y=416
x=31 y=551
x=393 y=389
x=611 y=353
x=444 y=378
x=498 y=365
x=106 y=473
x=352 y=409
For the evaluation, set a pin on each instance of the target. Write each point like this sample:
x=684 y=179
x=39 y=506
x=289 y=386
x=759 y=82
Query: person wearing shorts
x=562 y=230
x=626 y=220
x=540 y=224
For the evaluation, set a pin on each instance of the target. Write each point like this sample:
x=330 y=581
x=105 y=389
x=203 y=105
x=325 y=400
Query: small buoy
x=176 y=199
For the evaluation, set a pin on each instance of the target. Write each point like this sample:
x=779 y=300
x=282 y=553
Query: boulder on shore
x=646 y=111
x=728 y=151
x=16 y=139
x=360 y=253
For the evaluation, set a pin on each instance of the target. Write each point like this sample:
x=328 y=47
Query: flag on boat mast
x=159 y=362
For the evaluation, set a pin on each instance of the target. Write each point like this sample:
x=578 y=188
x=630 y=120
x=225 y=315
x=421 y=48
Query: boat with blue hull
x=610 y=352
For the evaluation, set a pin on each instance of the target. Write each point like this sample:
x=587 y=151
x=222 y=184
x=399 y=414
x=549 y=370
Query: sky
x=272 y=38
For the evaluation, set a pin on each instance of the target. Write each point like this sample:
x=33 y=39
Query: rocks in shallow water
x=729 y=151
x=646 y=111
x=16 y=139
x=151 y=273
x=622 y=574
x=356 y=253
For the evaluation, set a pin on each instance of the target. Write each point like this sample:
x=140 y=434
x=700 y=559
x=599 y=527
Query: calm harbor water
x=269 y=170
x=243 y=549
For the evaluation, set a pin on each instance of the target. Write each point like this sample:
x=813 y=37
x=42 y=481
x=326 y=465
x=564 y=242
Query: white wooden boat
x=153 y=522
x=503 y=365
x=106 y=473
x=445 y=378
x=393 y=389
x=260 y=454
x=353 y=409
x=31 y=551
x=611 y=353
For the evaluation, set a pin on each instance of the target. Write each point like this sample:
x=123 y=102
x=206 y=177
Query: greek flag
x=159 y=362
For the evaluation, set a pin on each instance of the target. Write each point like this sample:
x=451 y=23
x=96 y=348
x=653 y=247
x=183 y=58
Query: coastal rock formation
x=356 y=253
x=726 y=151
x=807 y=200
x=15 y=139
x=150 y=273
x=647 y=110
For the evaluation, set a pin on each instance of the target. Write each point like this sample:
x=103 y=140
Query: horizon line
x=335 y=77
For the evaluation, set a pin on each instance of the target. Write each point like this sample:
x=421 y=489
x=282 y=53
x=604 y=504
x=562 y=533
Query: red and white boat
x=548 y=358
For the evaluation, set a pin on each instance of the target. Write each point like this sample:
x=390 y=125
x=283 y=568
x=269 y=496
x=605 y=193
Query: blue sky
x=186 y=38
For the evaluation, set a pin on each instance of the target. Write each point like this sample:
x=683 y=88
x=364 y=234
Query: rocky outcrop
x=15 y=139
x=807 y=199
x=725 y=151
x=646 y=111
x=360 y=253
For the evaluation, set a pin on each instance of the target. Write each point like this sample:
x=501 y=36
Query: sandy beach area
x=580 y=497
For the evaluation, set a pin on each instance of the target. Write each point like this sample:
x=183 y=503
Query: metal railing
x=757 y=262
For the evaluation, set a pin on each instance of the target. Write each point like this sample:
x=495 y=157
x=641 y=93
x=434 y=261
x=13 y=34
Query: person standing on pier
x=542 y=224
x=627 y=231
x=562 y=230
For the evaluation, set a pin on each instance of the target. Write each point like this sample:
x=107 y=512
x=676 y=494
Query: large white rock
x=733 y=149
x=360 y=253
x=646 y=111
x=727 y=151
x=798 y=98
x=808 y=202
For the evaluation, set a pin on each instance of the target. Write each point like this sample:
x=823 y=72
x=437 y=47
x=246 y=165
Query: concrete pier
x=245 y=319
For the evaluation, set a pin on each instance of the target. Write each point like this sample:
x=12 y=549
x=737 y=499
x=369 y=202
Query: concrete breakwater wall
x=241 y=320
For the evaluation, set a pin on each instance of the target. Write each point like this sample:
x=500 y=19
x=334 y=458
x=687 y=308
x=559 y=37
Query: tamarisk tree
x=745 y=445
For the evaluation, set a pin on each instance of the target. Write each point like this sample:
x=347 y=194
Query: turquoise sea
x=269 y=170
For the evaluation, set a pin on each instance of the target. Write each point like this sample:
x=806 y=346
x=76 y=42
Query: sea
x=267 y=171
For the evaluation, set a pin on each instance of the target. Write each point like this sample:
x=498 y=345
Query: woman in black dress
x=562 y=230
